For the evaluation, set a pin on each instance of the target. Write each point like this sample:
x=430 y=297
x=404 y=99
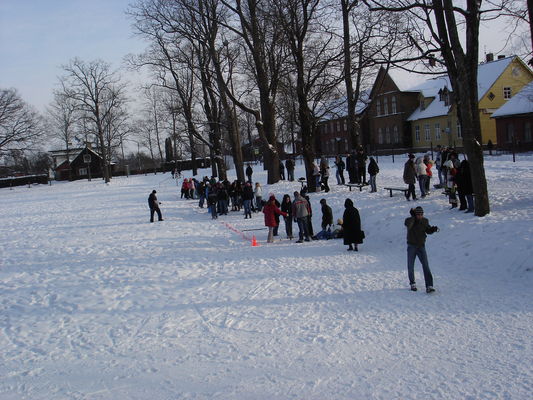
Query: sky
x=38 y=37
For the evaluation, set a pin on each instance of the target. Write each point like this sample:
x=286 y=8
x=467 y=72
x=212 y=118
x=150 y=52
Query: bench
x=357 y=185
x=391 y=189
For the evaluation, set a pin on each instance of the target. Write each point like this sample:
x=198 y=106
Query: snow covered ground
x=97 y=303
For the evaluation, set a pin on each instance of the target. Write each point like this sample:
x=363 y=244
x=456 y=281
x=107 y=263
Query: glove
x=433 y=229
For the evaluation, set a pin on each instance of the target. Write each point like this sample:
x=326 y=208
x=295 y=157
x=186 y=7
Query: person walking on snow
x=417 y=229
x=154 y=206
x=300 y=212
x=409 y=176
x=270 y=210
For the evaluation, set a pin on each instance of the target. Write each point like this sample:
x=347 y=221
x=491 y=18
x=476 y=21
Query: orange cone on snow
x=254 y=242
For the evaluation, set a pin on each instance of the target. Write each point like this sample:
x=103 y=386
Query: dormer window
x=445 y=96
x=422 y=104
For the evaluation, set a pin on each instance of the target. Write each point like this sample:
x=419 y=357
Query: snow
x=97 y=303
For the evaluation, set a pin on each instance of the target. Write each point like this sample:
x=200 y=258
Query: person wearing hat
x=154 y=206
x=300 y=213
x=409 y=176
x=270 y=210
x=417 y=229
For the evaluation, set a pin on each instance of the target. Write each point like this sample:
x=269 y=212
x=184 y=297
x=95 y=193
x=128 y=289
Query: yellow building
x=435 y=120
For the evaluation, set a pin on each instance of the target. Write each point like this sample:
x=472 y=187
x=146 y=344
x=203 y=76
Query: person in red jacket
x=270 y=210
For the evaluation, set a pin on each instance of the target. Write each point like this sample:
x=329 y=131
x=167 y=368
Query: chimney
x=489 y=57
x=89 y=145
x=501 y=57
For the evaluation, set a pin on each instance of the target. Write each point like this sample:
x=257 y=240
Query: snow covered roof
x=338 y=108
x=521 y=103
x=488 y=73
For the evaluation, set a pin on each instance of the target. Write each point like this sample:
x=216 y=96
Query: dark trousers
x=155 y=210
x=411 y=191
x=420 y=252
x=288 y=226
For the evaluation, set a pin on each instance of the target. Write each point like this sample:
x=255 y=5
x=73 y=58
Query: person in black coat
x=154 y=206
x=249 y=171
x=351 y=224
x=465 y=189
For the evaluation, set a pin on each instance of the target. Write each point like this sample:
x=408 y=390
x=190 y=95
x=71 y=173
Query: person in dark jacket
x=154 y=206
x=286 y=206
x=417 y=229
x=409 y=176
x=465 y=189
x=361 y=166
x=249 y=172
x=353 y=235
x=281 y=171
x=373 y=170
x=289 y=164
x=327 y=215
x=247 y=196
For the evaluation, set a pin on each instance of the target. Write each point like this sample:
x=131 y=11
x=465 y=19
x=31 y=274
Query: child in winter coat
x=270 y=210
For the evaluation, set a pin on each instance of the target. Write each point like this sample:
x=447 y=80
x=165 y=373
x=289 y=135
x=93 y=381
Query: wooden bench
x=391 y=189
x=357 y=185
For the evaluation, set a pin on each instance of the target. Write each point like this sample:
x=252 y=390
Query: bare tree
x=315 y=65
x=20 y=125
x=63 y=116
x=449 y=33
x=98 y=92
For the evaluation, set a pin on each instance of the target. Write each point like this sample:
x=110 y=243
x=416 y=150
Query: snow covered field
x=97 y=303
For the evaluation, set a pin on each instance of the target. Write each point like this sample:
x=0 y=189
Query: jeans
x=373 y=187
x=441 y=179
x=302 y=226
x=258 y=203
x=248 y=207
x=422 y=184
x=201 y=202
x=213 y=210
x=420 y=252
x=340 y=177
x=290 y=174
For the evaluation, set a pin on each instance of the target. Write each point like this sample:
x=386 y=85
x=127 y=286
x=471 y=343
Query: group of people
x=289 y=166
x=454 y=177
x=299 y=211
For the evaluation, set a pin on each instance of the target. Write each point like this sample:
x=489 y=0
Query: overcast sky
x=38 y=36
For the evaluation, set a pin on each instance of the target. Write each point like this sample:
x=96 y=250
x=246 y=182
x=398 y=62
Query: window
x=380 y=136
x=387 y=135
x=422 y=104
x=82 y=171
x=345 y=125
x=393 y=105
x=459 y=132
x=427 y=132
x=378 y=107
x=527 y=132
x=338 y=126
x=395 y=134
x=437 y=131
x=417 y=133
x=385 y=106
x=507 y=93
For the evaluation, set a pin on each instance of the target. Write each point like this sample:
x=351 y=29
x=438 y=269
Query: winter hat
x=348 y=203
x=153 y=191
x=272 y=197
x=419 y=211
x=411 y=155
x=322 y=201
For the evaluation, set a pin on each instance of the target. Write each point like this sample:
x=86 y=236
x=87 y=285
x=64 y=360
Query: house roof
x=338 y=108
x=520 y=103
x=488 y=73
